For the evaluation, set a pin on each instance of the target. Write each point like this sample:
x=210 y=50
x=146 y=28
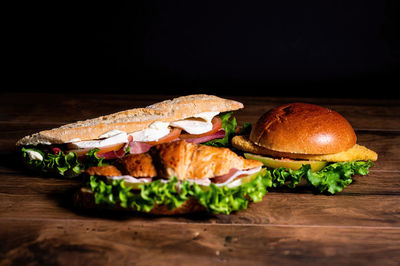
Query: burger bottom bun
x=357 y=152
x=84 y=198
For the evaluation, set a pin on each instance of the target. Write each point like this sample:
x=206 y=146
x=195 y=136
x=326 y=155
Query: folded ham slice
x=217 y=135
x=114 y=154
x=138 y=147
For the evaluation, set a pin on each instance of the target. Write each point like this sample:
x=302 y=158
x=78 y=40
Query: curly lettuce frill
x=173 y=194
x=63 y=164
x=332 y=178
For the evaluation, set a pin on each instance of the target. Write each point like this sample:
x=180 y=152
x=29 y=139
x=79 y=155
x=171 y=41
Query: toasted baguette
x=133 y=120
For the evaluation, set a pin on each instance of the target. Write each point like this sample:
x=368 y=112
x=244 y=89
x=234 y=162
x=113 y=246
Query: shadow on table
x=63 y=190
x=67 y=199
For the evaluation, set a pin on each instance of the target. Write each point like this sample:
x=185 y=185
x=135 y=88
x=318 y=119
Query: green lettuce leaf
x=91 y=159
x=174 y=193
x=225 y=200
x=246 y=129
x=229 y=124
x=332 y=178
x=63 y=164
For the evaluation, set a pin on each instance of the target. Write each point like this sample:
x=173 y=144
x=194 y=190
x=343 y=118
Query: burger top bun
x=303 y=128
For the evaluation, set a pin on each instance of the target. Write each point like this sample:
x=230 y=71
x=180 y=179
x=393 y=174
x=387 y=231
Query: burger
x=300 y=142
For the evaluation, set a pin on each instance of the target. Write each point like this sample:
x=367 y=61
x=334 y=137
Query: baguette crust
x=133 y=120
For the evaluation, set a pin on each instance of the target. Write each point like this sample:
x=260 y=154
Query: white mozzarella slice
x=198 y=124
x=154 y=132
x=111 y=133
x=34 y=155
x=116 y=139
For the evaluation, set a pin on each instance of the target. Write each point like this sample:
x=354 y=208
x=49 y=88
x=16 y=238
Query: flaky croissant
x=177 y=159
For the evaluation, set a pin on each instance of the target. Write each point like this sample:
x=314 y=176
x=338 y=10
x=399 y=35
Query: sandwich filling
x=198 y=124
x=230 y=180
x=209 y=128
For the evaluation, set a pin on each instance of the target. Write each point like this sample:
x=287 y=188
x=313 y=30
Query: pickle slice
x=292 y=164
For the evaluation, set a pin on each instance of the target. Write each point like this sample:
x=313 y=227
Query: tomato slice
x=114 y=147
x=216 y=121
x=174 y=134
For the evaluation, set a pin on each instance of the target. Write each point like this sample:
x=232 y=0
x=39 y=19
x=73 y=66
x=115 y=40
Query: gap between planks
x=6 y=219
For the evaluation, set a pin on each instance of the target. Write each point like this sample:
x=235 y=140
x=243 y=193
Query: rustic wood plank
x=361 y=204
x=99 y=243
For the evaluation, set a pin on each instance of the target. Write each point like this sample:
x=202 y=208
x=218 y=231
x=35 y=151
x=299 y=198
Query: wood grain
x=51 y=201
x=359 y=226
x=95 y=242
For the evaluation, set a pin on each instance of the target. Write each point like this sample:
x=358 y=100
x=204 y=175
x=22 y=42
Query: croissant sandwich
x=176 y=178
x=69 y=149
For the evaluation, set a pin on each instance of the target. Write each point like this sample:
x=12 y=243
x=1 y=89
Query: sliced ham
x=232 y=175
x=113 y=154
x=138 y=147
x=224 y=178
x=217 y=135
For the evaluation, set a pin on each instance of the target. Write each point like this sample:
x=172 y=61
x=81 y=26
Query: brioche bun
x=303 y=128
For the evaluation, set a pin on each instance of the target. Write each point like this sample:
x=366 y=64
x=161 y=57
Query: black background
x=277 y=48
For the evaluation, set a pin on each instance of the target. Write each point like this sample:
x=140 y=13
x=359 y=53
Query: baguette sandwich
x=176 y=178
x=71 y=148
x=299 y=141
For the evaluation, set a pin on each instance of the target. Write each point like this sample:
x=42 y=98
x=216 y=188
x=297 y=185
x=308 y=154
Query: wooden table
x=39 y=225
